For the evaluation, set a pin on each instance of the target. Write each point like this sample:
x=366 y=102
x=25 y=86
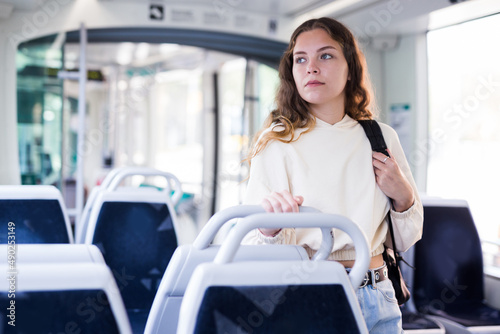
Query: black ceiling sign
x=156 y=12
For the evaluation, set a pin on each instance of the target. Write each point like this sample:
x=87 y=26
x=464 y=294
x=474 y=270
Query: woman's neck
x=330 y=112
x=328 y=115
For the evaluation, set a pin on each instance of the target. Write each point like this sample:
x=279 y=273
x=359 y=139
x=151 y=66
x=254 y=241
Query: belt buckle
x=365 y=281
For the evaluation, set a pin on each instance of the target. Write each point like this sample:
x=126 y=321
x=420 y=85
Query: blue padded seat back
x=36 y=221
x=137 y=241
x=71 y=311
x=448 y=260
x=275 y=309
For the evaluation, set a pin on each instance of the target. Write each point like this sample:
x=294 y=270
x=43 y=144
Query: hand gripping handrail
x=207 y=234
x=146 y=171
x=324 y=221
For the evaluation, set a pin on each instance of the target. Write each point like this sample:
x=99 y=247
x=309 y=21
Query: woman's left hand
x=392 y=181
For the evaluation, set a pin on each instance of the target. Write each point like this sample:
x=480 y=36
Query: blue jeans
x=380 y=308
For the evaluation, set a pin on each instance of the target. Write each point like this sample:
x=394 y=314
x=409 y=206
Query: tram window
x=175 y=141
x=159 y=118
x=39 y=111
x=464 y=118
x=232 y=133
x=248 y=89
x=268 y=84
x=149 y=106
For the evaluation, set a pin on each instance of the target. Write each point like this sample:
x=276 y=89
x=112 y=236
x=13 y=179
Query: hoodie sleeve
x=268 y=173
x=408 y=225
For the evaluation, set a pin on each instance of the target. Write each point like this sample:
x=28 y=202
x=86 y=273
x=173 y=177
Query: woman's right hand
x=281 y=201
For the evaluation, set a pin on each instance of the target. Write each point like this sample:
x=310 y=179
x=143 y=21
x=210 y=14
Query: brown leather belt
x=375 y=275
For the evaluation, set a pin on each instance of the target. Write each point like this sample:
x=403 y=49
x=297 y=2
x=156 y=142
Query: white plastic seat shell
x=54 y=253
x=164 y=312
x=38 y=192
x=225 y=273
x=40 y=277
x=132 y=196
x=111 y=183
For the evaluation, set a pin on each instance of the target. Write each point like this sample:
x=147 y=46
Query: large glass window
x=147 y=104
x=153 y=109
x=232 y=131
x=147 y=112
x=39 y=111
x=464 y=118
x=247 y=91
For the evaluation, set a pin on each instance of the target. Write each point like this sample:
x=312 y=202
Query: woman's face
x=320 y=70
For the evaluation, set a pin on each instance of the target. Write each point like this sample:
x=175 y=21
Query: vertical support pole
x=215 y=181
x=249 y=117
x=204 y=204
x=82 y=83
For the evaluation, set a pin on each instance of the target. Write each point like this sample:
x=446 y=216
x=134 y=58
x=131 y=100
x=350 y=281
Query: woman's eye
x=300 y=60
x=326 y=56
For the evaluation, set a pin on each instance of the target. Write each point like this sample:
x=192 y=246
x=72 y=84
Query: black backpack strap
x=374 y=134
x=376 y=138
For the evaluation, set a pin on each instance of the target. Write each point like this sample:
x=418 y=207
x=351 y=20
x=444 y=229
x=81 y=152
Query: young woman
x=312 y=151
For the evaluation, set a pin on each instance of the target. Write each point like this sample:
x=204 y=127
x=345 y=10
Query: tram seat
x=276 y=296
x=61 y=298
x=415 y=322
x=164 y=313
x=33 y=214
x=113 y=179
x=82 y=225
x=136 y=233
x=448 y=282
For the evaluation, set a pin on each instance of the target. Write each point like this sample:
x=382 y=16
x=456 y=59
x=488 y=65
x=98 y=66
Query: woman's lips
x=313 y=83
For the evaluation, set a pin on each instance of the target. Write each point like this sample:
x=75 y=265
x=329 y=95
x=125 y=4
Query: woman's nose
x=312 y=67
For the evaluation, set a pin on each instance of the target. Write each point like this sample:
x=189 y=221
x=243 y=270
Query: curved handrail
x=112 y=174
x=207 y=234
x=146 y=171
x=324 y=221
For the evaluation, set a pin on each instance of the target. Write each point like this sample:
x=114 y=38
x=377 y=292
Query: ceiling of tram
x=274 y=7
x=380 y=17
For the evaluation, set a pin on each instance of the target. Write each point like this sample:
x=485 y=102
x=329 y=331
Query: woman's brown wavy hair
x=292 y=112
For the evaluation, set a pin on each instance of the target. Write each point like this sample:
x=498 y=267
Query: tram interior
x=192 y=110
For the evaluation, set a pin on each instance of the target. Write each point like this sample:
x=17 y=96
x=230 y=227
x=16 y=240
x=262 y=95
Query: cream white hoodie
x=331 y=167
